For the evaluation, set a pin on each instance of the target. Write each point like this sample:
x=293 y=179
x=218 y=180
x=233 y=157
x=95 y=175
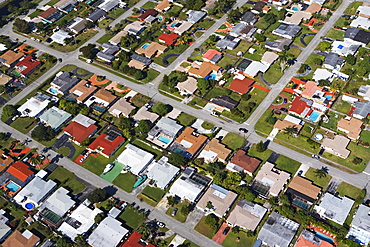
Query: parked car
x=284 y=109
x=244 y=130
x=174 y=211
x=161 y=234
x=285 y=100
x=227 y=229
x=214 y=113
x=161 y=224
x=315 y=156
x=300 y=173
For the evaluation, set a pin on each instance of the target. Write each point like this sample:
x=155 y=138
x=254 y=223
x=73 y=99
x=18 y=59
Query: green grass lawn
x=335 y=34
x=243 y=47
x=351 y=10
x=37 y=227
x=151 y=75
x=227 y=60
x=125 y=181
x=342 y=106
x=185 y=119
x=345 y=189
x=341 y=22
x=311 y=61
x=79 y=150
x=262 y=125
x=80 y=40
x=63 y=151
x=140 y=100
x=197 y=101
x=117 y=12
x=233 y=141
x=206 y=23
x=67 y=179
x=262 y=156
x=149 y=5
x=104 y=23
x=297 y=39
x=151 y=195
x=24 y=124
x=179 y=216
x=333 y=121
x=36 y=13
x=105 y=38
x=187 y=243
x=132 y=217
x=273 y=74
x=207 y=125
x=204 y=229
x=287 y=164
x=299 y=141
x=243 y=240
x=322 y=182
x=365 y=136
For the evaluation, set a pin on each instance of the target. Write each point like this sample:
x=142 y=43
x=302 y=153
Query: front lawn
x=179 y=216
x=132 y=218
x=273 y=74
x=287 y=164
x=233 y=141
x=352 y=8
x=243 y=47
x=365 y=136
x=262 y=124
x=300 y=141
x=252 y=151
x=24 y=124
x=335 y=34
x=238 y=239
x=67 y=180
x=139 y=100
x=63 y=151
x=186 y=119
x=205 y=229
x=345 y=189
x=321 y=182
x=125 y=181
x=105 y=38
x=79 y=41
x=151 y=195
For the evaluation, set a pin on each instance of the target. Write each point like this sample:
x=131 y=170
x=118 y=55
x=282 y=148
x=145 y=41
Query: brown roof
x=313 y=8
x=154 y=49
x=337 y=145
x=5 y=160
x=205 y=69
x=220 y=149
x=136 y=64
x=352 y=127
x=83 y=89
x=18 y=239
x=305 y=187
x=248 y=163
x=241 y=86
x=275 y=178
x=246 y=215
x=162 y=5
x=282 y=124
x=196 y=141
x=123 y=106
x=47 y=13
x=4 y=79
x=105 y=95
x=11 y=57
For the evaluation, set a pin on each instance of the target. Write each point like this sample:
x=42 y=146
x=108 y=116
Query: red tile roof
x=20 y=170
x=302 y=242
x=298 y=106
x=147 y=13
x=29 y=65
x=135 y=241
x=168 y=39
x=248 y=163
x=210 y=54
x=80 y=132
x=241 y=86
x=108 y=146
x=47 y=13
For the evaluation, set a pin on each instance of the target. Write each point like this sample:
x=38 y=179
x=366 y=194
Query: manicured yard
x=274 y=73
x=262 y=156
x=351 y=10
x=311 y=61
x=365 y=136
x=204 y=229
x=24 y=124
x=149 y=5
x=342 y=106
x=67 y=179
x=125 y=181
x=151 y=195
x=227 y=60
x=187 y=243
x=207 y=125
x=78 y=151
x=132 y=217
x=335 y=34
x=345 y=189
x=63 y=151
x=80 y=40
x=322 y=182
x=333 y=121
x=197 y=102
x=238 y=240
x=185 y=119
x=233 y=141
x=243 y=47
x=287 y=164
x=262 y=125
x=179 y=215
x=140 y=99
x=105 y=38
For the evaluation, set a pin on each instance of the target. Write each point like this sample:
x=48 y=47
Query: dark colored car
x=227 y=229
x=244 y=130
x=174 y=211
x=300 y=173
x=160 y=234
x=285 y=100
x=295 y=86
x=284 y=109
x=315 y=156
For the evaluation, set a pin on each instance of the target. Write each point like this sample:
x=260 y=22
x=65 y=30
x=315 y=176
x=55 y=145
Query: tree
x=245 y=97
x=161 y=109
x=139 y=75
x=177 y=159
x=260 y=147
x=142 y=128
x=270 y=18
x=283 y=57
x=99 y=218
x=165 y=80
x=212 y=221
x=42 y=133
x=281 y=14
x=22 y=25
x=171 y=200
x=185 y=210
x=317 y=61
x=303 y=68
x=88 y=51
x=97 y=195
x=357 y=160
x=125 y=123
x=351 y=59
x=89 y=24
x=213 y=38
x=234 y=15
x=204 y=85
x=290 y=130
x=324 y=46
x=320 y=173
x=323 y=83
x=9 y=111
x=85 y=142
x=36 y=160
x=81 y=241
x=209 y=205
x=259 y=37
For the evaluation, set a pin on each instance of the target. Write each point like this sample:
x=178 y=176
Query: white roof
x=162 y=172
x=364 y=10
x=321 y=74
x=108 y=5
x=185 y=190
x=83 y=120
x=256 y=67
x=3 y=47
x=168 y=126
x=108 y=233
x=35 y=191
x=361 y=22
x=293 y=120
x=135 y=158
x=33 y=106
x=60 y=36
x=59 y=202
x=81 y=221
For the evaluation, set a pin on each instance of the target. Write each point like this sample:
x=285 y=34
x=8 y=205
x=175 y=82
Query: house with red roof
x=212 y=56
x=310 y=239
x=168 y=39
x=80 y=128
x=15 y=177
x=50 y=15
x=241 y=162
x=107 y=143
x=301 y=107
x=26 y=66
x=241 y=86
x=135 y=241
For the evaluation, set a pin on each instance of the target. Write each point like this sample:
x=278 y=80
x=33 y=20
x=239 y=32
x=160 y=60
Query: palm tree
x=283 y=58
x=36 y=160
x=320 y=173
x=290 y=130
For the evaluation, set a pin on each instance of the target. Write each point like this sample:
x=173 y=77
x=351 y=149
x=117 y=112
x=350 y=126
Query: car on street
x=174 y=211
x=227 y=229
x=161 y=224
x=244 y=130
x=214 y=113
x=315 y=156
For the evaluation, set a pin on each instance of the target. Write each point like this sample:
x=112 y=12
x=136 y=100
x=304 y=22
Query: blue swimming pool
x=295 y=8
x=12 y=187
x=178 y=150
x=164 y=139
x=29 y=206
x=174 y=24
x=145 y=46
x=52 y=90
x=98 y=108
x=324 y=237
x=212 y=76
x=328 y=97
x=314 y=116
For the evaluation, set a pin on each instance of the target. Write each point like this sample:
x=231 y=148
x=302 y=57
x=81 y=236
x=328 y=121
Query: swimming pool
x=29 y=206
x=174 y=24
x=295 y=9
x=328 y=97
x=164 y=139
x=212 y=76
x=324 y=237
x=12 y=187
x=98 y=108
x=145 y=46
x=314 y=116
x=178 y=150
x=52 y=90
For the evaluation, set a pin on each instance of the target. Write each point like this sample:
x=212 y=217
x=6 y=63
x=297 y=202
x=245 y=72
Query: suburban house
x=164 y=132
x=108 y=233
x=134 y=28
x=241 y=162
x=246 y=215
x=324 y=74
x=54 y=117
x=100 y=99
x=344 y=48
x=26 y=66
x=187 y=87
x=360 y=226
x=96 y=15
x=144 y=114
x=21 y=239
x=10 y=58
x=224 y=102
x=302 y=192
x=107 y=143
x=270 y=180
x=214 y=151
x=357 y=36
x=151 y=50
x=121 y=108
x=195 y=16
x=212 y=56
x=241 y=84
x=60 y=37
x=79 y=221
x=243 y=31
x=364 y=92
x=336 y=145
x=278 y=45
x=135 y=159
x=62 y=83
x=80 y=128
x=204 y=71
x=108 y=52
x=289 y=122
x=82 y=90
x=228 y=42
x=65 y=5
x=5 y=230
x=188 y=143
x=254 y=68
x=179 y=27
x=108 y=5
x=217 y=200
x=162 y=172
x=351 y=126
x=148 y=13
x=5 y=160
x=163 y=6
x=190 y=185
x=19 y=174
x=362 y=109
x=51 y=15
x=53 y=209
x=278 y=231
x=363 y=11
x=134 y=240
x=168 y=39
x=334 y=208
x=34 y=106
x=35 y=192
x=139 y=62
x=248 y=18
x=269 y=58
x=4 y=79
x=300 y=106
x=310 y=239
x=360 y=22
x=287 y=30
x=260 y=7
x=210 y=4
x=333 y=61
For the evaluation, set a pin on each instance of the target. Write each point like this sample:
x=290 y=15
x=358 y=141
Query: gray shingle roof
x=142 y=59
x=289 y=30
x=362 y=108
x=249 y=18
x=333 y=59
x=194 y=16
x=96 y=15
x=357 y=35
x=65 y=81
